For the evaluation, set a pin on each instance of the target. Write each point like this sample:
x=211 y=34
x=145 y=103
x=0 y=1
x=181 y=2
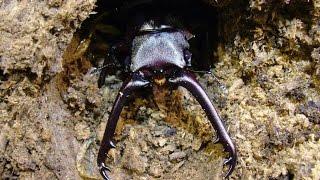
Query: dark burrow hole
x=117 y=21
x=3 y=76
x=288 y=176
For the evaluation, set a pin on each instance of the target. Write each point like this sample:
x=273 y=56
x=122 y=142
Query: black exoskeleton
x=157 y=54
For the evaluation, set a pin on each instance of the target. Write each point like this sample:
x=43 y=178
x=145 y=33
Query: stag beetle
x=155 y=52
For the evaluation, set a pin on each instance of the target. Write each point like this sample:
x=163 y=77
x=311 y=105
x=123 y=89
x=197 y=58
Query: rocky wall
x=265 y=85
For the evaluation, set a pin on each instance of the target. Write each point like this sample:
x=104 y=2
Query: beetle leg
x=136 y=82
x=112 y=62
x=187 y=80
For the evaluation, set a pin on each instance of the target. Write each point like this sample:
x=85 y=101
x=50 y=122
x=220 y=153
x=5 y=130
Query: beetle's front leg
x=137 y=81
x=186 y=79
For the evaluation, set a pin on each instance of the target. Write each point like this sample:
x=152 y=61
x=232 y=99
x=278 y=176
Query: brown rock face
x=265 y=85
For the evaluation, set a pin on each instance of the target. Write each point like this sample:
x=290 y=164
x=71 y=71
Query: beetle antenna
x=201 y=72
x=213 y=75
x=97 y=70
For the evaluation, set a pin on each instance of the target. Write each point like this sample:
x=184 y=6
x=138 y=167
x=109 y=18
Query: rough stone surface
x=34 y=34
x=37 y=140
x=265 y=86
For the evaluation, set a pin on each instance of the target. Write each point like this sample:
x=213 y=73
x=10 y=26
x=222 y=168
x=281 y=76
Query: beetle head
x=159 y=50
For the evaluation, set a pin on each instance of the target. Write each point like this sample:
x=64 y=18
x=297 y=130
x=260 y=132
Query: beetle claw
x=104 y=170
x=231 y=161
x=217 y=140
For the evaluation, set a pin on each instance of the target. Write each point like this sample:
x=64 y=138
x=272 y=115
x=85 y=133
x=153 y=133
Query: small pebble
x=170 y=132
x=177 y=166
x=156 y=170
x=169 y=148
x=177 y=155
x=162 y=141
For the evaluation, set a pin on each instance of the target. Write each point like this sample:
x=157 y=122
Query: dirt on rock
x=265 y=85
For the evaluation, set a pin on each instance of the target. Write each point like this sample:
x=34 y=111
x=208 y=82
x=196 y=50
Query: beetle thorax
x=154 y=49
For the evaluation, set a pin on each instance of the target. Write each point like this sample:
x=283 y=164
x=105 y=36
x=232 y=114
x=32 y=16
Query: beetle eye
x=187 y=57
